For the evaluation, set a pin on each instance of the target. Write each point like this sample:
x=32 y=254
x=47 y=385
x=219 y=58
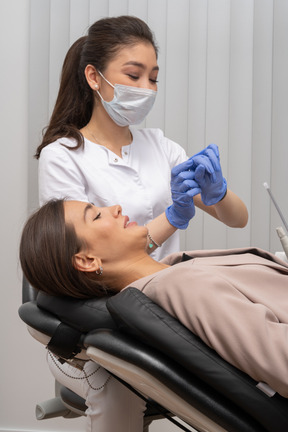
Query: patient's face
x=105 y=231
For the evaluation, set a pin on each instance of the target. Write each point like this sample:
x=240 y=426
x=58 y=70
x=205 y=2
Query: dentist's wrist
x=211 y=198
x=225 y=191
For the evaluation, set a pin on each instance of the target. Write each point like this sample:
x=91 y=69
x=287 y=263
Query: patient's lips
x=128 y=224
x=131 y=224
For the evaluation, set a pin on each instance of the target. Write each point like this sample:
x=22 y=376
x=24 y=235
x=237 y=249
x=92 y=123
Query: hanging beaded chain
x=84 y=373
x=151 y=241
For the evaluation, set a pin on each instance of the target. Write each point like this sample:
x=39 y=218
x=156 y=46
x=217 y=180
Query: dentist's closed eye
x=136 y=77
x=133 y=77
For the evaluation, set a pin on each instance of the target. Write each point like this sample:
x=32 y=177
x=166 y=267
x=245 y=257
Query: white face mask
x=130 y=105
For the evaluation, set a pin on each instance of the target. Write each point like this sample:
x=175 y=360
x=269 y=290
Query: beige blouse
x=236 y=301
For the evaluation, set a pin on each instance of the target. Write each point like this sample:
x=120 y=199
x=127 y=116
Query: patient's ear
x=85 y=263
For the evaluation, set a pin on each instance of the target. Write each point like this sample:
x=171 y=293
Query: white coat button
x=115 y=160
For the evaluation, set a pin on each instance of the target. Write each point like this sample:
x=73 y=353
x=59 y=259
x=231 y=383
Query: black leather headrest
x=83 y=315
x=28 y=292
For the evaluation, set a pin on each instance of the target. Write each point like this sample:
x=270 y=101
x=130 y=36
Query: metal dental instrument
x=276 y=206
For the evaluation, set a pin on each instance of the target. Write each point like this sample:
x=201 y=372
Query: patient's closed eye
x=97 y=216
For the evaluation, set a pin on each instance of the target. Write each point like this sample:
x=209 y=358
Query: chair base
x=145 y=383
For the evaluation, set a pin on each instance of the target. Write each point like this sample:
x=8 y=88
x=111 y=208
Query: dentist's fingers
x=183 y=186
x=200 y=173
x=213 y=159
x=193 y=191
x=214 y=148
x=184 y=166
x=205 y=162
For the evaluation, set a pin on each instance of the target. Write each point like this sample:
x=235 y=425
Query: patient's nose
x=116 y=210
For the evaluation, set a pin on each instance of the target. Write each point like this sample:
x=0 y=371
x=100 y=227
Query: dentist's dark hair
x=74 y=104
x=47 y=248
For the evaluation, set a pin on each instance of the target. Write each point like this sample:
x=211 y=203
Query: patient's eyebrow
x=87 y=208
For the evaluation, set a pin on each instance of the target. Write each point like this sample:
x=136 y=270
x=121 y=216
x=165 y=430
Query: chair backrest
x=140 y=317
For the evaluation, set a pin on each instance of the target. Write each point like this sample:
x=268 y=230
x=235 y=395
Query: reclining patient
x=236 y=300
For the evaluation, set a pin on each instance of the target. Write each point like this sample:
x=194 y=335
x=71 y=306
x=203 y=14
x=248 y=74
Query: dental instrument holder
x=283 y=239
x=280 y=231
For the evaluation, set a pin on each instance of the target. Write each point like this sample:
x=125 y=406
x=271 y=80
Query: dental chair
x=156 y=357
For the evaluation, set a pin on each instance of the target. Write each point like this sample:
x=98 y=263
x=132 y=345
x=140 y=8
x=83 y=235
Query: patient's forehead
x=74 y=210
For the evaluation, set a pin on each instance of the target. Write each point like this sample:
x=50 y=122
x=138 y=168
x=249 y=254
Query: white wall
x=223 y=79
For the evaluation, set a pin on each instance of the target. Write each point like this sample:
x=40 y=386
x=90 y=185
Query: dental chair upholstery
x=155 y=355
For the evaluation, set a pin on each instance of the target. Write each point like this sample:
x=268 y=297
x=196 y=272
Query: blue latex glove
x=208 y=174
x=183 y=189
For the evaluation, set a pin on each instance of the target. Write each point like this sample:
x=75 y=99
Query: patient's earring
x=96 y=86
x=100 y=271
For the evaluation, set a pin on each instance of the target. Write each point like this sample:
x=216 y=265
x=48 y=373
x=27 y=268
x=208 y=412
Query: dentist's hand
x=183 y=189
x=208 y=174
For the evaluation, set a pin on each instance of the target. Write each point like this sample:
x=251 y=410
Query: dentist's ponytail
x=74 y=104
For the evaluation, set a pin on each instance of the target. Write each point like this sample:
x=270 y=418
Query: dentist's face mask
x=130 y=105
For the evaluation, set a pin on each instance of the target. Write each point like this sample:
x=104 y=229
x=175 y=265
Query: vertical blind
x=223 y=79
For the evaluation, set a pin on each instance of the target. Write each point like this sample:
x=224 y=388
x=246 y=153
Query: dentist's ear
x=92 y=77
x=85 y=263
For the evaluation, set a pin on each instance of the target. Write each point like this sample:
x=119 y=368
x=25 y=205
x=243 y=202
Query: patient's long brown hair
x=47 y=248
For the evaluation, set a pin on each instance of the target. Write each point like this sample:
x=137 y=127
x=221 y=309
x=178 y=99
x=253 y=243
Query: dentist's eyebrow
x=141 y=65
x=87 y=208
